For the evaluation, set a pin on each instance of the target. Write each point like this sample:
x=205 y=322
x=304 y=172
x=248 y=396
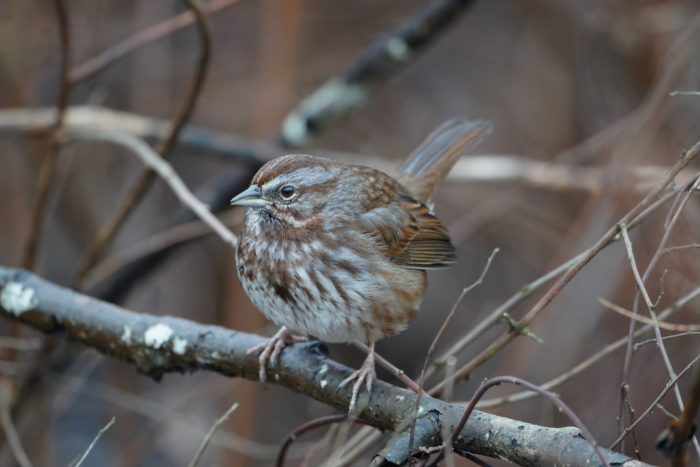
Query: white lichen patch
x=398 y=49
x=126 y=335
x=400 y=398
x=156 y=336
x=324 y=383
x=17 y=298
x=179 y=346
x=331 y=100
x=324 y=369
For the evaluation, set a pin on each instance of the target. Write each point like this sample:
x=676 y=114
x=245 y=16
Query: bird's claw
x=364 y=375
x=271 y=350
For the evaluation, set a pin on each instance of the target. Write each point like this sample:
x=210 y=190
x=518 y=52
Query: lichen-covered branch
x=161 y=344
x=380 y=60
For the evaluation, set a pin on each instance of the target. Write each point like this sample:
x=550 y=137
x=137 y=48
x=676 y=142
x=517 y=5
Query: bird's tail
x=431 y=162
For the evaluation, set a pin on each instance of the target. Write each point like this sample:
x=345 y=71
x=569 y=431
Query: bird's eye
x=287 y=192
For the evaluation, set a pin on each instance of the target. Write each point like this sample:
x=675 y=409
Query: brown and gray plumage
x=339 y=251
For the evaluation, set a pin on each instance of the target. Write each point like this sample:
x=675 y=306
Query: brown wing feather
x=413 y=236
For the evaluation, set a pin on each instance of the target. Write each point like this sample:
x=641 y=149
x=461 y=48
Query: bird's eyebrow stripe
x=284 y=164
x=307 y=176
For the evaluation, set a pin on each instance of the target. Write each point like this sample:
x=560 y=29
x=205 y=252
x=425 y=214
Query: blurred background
x=579 y=94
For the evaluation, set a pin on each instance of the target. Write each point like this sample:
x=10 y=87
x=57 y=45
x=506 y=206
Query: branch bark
x=506 y=169
x=379 y=61
x=160 y=344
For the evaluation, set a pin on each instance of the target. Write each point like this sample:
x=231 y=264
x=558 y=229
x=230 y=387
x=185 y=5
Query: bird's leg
x=364 y=374
x=270 y=350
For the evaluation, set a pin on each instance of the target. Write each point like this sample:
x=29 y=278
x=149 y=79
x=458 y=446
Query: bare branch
x=304 y=428
x=671 y=384
x=673 y=216
x=381 y=59
x=151 y=34
x=150 y=247
x=684 y=93
x=10 y=432
x=220 y=421
x=438 y=334
x=48 y=163
x=556 y=400
x=161 y=344
x=166 y=172
x=633 y=216
x=38 y=121
x=141 y=187
x=506 y=169
x=593 y=359
x=653 y=322
x=94 y=441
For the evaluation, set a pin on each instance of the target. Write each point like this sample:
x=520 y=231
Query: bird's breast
x=338 y=287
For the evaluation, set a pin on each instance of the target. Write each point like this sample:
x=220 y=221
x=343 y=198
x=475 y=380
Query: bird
x=339 y=252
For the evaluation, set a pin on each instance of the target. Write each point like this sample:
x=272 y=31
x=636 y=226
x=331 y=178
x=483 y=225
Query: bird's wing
x=413 y=236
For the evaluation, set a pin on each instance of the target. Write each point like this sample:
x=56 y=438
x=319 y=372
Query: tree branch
x=115 y=222
x=160 y=344
x=121 y=49
x=382 y=59
x=506 y=169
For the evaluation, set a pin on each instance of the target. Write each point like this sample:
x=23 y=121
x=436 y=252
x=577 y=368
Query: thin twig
x=151 y=34
x=11 y=433
x=635 y=269
x=685 y=328
x=641 y=288
x=108 y=232
x=159 y=414
x=450 y=365
x=48 y=163
x=438 y=334
x=527 y=290
x=20 y=343
x=665 y=411
x=556 y=400
x=673 y=249
x=161 y=241
x=497 y=315
x=92 y=444
x=671 y=384
x=220 y=421
x=634 y=215
x=588 y=362
x=166 y=172
x=393 y=369
x=304 y=428
x=364 y=438
x=672 y=336
x=506 y=169
x=684 y=93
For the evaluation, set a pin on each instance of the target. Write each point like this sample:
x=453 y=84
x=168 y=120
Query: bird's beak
x=251 y=197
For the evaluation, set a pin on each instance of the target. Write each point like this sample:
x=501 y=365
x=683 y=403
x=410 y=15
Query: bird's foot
x=365 y=374
x=270 y=350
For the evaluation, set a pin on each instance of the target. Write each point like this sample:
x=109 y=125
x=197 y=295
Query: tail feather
x=431 y=162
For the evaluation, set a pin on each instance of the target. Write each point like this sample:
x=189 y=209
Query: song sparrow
x=339 y=251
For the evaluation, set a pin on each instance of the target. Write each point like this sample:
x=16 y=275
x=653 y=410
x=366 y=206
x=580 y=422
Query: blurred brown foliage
x=585 y=83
